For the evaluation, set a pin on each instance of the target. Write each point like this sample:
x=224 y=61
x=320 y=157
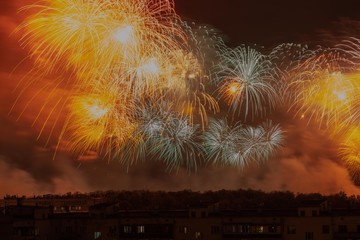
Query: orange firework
x=351 y=152
x=100 y=120
x=188 y=81
x=327 y=98
x=94 y=36
x=322 y=90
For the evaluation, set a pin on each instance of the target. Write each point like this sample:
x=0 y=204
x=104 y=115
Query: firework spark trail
x=239 y=145
x=245 y=81
x=286 y=58
x=164 y=135
x=351 y=48
x=259 y=143
x=63 y=32
x=322 y=91
x=221 y=141
x=350 y=152
x=141 y=83
x=99 y=34
x=169 y=137
x=151 y=119
x=93 y=123
x=178 y=144
x=189 y=92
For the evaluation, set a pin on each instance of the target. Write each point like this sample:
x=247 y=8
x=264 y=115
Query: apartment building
x=310 y=221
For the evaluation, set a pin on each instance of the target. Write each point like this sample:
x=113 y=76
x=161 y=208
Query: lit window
x=97 y=235
x=259 y=229
x=183 y=229
x=140 y=229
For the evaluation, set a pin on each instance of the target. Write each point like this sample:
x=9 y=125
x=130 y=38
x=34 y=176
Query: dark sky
x=269 y=22
x=307 y=164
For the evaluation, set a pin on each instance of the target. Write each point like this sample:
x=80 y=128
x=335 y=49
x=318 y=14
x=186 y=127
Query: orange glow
x=328 y=98
x=231 y=91
x=234 y=88
x=150 y=67
x=95 y=108
x=340 y=95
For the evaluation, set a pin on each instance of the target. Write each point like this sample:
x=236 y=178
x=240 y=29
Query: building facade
x=205 y=222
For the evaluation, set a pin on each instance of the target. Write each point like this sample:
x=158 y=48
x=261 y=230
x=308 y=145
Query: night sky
x=307 y=163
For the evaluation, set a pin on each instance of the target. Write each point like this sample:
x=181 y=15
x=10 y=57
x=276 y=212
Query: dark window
x=291 y=229
x=272 y=228
x=325 y=229
x=358 y=228
x=314 y=213
x=342 y=229
x=203 y=214
x=69 y=229
x=127 y=229
x=309 y=236
x=193 y=214
x=302 y=213
x=245 y=228
x=112 y=230
x=215 y=229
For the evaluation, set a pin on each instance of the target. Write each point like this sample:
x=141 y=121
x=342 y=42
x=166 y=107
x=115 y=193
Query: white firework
x=238 y=146
x=221 y=143
x=245 y=81
x=177 y=144
x=259 y=143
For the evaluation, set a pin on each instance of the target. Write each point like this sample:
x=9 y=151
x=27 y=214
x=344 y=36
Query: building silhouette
x=87 y=218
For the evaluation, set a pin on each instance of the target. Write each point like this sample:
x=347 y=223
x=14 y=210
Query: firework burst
x=189 y=91
x=98 y=35
x=99 y=120
x=350 y=151
x=259 y=143
x=141 y=83
x=323 y=91
x=244 y=79
x=178 y=144
x=239 y=145
x=221 y=143
x=286 y=58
